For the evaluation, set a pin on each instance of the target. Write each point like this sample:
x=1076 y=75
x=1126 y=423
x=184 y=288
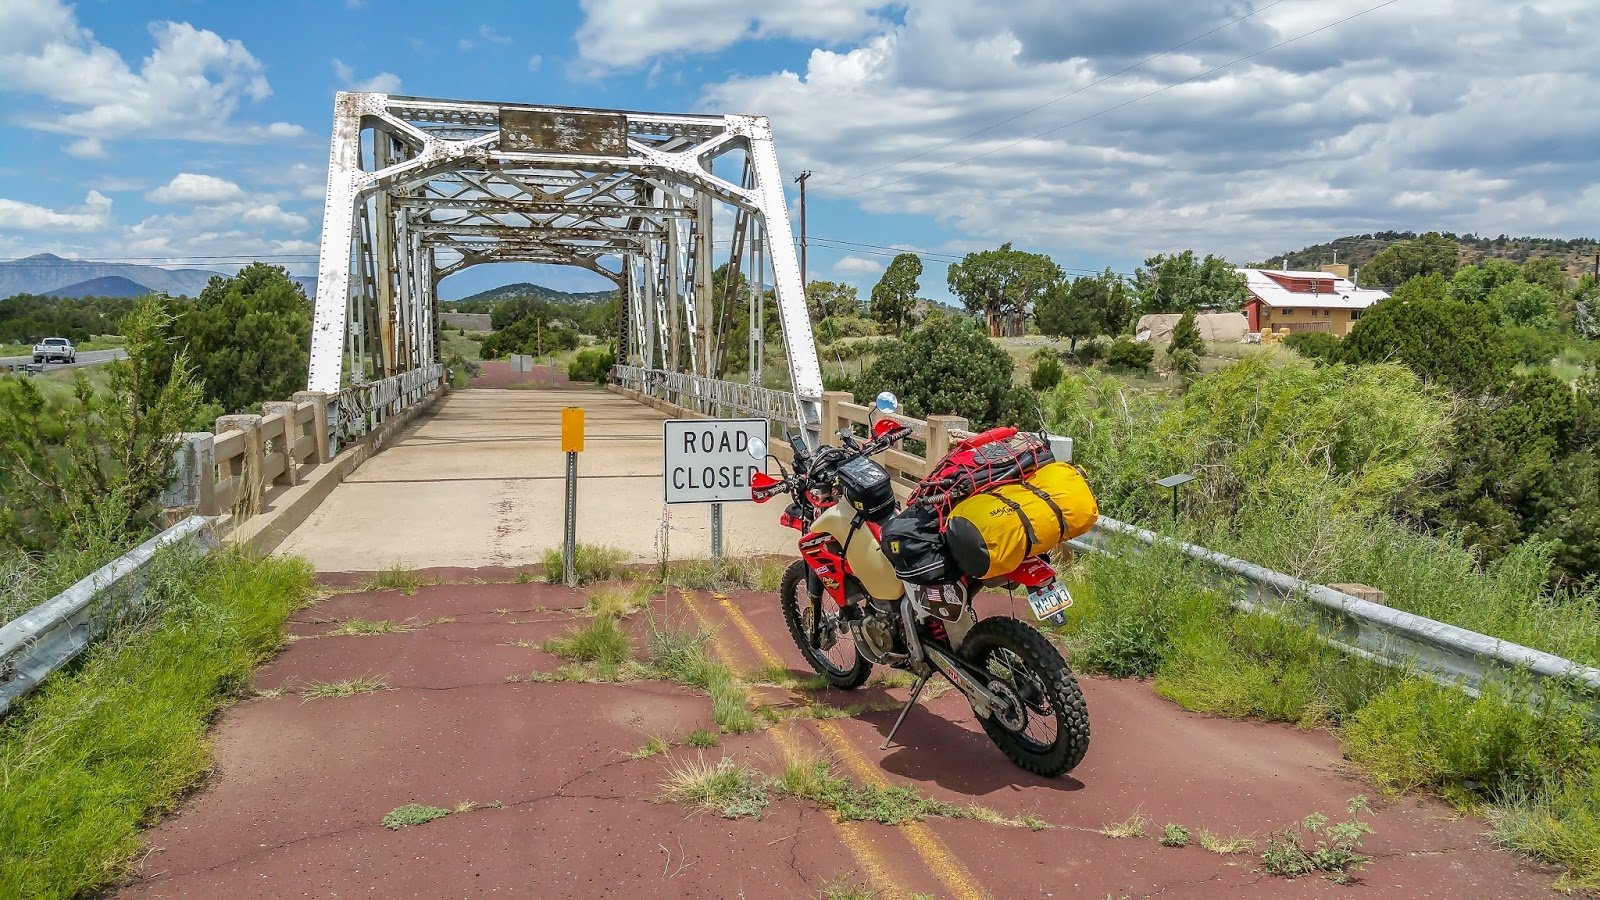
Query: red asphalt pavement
x=300 y=786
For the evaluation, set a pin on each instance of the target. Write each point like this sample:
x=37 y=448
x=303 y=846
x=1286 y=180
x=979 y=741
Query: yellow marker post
x=572 y=445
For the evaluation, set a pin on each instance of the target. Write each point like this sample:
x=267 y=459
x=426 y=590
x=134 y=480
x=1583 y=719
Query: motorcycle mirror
x=758 y=450
x=887 y=402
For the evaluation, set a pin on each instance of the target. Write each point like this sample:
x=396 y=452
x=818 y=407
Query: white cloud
x=856 y=265
x=535 y=62
x=94 y=215
x=628 y=33
x=484 y=35
x=382 y=83
x=1360 y=127
x=87 y=148
x=190 y=188
x=190 y=86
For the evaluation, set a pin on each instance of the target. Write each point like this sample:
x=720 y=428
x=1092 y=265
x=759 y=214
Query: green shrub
x=1317 y=345
x=949 y=366
x=101 y=748
x=1186 y=364
x=1046 y=374
x=1090 y=351
x=590 y=562
x=1126 y=353
x=593 y=364
x=1186 y=335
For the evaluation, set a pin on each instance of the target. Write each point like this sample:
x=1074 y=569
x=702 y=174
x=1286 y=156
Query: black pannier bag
x=916 y=549
x=868 y=488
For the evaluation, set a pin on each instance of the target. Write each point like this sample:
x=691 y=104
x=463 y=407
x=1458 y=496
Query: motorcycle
x=1020 y=688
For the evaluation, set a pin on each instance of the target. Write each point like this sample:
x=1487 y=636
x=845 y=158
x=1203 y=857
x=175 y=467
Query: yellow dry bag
x=991 y=533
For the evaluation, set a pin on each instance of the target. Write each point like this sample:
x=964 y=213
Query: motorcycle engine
x=878 y=633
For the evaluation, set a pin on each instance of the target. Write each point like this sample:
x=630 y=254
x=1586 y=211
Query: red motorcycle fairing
x=825 y=556
x=1033 y=572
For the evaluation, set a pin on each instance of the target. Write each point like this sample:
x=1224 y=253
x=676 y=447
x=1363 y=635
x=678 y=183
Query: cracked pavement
x=300 y=786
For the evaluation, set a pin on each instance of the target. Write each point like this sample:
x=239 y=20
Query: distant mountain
x=1578 y=254
x=46 y=272
x=539 y=291
x=105 y=286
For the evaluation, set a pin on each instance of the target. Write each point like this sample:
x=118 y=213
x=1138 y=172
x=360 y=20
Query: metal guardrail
x=1391 y=637
x=45 y=638
x=711 y=396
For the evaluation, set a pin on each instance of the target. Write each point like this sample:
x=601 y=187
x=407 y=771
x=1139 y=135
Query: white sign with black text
x=708 y=460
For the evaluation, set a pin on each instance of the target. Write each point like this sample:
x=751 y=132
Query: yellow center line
x=850 y=834
x=928 y=845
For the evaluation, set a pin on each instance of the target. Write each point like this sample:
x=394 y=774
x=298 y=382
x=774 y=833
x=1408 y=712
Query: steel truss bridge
x=685 y=214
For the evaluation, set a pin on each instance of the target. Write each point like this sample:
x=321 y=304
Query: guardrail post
x=248 y=466
x=939 y=428
x=320 y=425
x=830 y=421
x=291 y=466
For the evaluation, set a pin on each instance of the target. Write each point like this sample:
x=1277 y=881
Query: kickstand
x=916 y=691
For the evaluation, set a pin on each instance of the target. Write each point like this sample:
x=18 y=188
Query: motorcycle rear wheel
x=1047 y=730
x=842 y=664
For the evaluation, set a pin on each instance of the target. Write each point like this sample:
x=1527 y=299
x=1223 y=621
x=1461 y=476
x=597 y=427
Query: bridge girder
x=420 y=189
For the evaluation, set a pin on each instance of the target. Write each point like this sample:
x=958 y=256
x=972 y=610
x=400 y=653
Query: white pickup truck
x=55 y=350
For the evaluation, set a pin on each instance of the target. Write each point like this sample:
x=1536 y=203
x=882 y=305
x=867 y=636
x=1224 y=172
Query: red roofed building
x=1305 y=301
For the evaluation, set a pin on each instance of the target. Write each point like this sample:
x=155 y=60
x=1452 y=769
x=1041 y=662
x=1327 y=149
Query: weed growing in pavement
x=363 y=627
x=1128 y=828
x=781 y=676
x=602 y=642
x=726 y=574
x=651 y=748
x=682 y=656
x=844 y=886
x=1335 y=851
x=722 y=787
x=1174 y=835
x=363 y=685
x=397 y=577
x=1226 y=846
x=523 y=577
x=412 y=814
x=618 y=602
x=702 y=737
x=590 y=563
x=1556 y=823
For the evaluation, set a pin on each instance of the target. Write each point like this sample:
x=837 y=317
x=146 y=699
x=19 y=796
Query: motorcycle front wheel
x=1045 y=727
x=838 y=660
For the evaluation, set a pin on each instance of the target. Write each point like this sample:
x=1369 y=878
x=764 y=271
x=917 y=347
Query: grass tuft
x=845 y=886
x=396 y=578
x=651 y=748
x=1317 y=846
x=590 y=563
x=781 y=676
x=364 y=627
x=722 y=787
x=413 y=814
x=619 y=602
x=1225 y=846
x=1128 y=828
x=602 y=642
x=363 y=685
x=727 y=574
x=702 y=737
x=1174 y=835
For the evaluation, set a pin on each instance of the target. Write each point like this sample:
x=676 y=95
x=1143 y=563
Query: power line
x=1129 y=102
x=1068 y=95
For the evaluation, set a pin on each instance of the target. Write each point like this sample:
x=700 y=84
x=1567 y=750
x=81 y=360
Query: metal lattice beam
x=421 y=189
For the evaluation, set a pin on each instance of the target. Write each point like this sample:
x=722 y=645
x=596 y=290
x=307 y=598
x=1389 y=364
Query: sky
x=1098 y=131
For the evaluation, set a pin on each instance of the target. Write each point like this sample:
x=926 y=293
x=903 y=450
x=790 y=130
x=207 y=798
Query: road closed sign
x=709 y=461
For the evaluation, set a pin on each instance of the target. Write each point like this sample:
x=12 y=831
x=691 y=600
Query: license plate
x=1050 y=604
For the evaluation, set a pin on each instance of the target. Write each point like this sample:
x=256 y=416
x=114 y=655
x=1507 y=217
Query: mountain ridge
x=1576 y=254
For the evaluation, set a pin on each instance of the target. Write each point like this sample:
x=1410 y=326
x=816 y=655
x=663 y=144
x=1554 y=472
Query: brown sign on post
x=524 y=130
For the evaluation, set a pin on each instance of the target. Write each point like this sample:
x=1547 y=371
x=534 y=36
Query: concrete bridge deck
x=479 y=481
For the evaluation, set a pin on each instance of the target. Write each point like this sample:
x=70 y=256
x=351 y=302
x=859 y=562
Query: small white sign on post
x=708 y=460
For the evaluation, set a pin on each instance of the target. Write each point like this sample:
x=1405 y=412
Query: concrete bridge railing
x=252 y=461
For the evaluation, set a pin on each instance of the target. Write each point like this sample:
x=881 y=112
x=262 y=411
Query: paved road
x=301 y=785
x=480 y=482
x=85 y=358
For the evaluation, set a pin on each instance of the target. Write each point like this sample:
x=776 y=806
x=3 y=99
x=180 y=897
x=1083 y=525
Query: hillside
x=104 y=286
x=1578 y=254
x=539 y=291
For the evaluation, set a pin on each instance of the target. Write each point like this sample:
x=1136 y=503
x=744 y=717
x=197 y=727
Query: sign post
x=572 y=445
x=708 y=461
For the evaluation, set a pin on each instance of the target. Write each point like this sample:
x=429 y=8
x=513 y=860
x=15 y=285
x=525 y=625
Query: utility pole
x=801 y=180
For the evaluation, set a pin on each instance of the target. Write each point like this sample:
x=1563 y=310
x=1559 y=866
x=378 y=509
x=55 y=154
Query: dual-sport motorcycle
x=848 y=608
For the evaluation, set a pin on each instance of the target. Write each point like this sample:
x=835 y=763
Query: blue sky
x=199 y=128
